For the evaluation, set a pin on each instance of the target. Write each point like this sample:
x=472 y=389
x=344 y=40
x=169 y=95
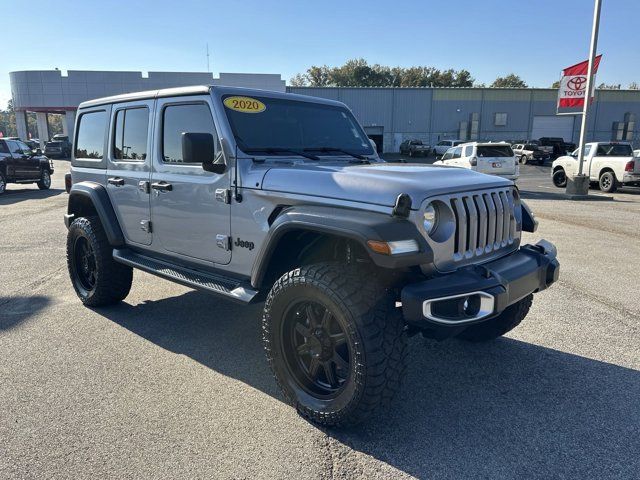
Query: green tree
x=510 y=81
x=358 y=73
x=634 y=86
x=609 y=86
x=556 y=84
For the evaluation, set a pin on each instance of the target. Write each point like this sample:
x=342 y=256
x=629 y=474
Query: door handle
x=162 y=186
x=117 y=181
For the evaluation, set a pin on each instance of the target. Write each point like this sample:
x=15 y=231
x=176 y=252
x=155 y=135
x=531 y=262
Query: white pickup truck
x=608 y=164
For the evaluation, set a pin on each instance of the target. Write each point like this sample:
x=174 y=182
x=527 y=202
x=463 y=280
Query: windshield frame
x=287 y=150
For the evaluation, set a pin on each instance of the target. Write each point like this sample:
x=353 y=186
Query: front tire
x=3 y=183
x=335 y=343
x=96 y=277
x=509 y=319
x=608 y=182
x=45 y=180
x=559 y=178
x=523 y=160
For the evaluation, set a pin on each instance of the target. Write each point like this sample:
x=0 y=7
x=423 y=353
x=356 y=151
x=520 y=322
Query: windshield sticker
x=244 y=104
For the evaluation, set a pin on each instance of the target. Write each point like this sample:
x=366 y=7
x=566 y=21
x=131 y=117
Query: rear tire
x=3 y=183
x=523 y=160
x=362 y=327
x=559 y=178
x=96 y=277
x=509 y=319
x=608 y=182
x=45 y=180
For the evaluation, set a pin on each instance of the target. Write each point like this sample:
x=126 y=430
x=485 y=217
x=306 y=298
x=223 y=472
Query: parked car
x=59 y=147
x=252 y=194
x=557 y=145
x=413 y=148
x=529 y=152
x=443 y=145
x=20 y=164
x=491 y=158
x=608 y=164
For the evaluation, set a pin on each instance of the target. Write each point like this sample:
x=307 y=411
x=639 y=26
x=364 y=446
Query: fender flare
x=99 y=198
x=357 y=225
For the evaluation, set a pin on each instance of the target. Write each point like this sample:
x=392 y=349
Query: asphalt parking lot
x=173 y=383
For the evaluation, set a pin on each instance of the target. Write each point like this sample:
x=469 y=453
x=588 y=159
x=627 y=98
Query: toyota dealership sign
x=573 y=86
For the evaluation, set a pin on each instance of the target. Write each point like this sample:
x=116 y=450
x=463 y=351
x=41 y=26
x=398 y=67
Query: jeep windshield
x=275 y=126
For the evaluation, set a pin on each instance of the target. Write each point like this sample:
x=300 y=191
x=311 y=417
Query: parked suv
x=20 y=164
x=529 y=152
x=58 y=147
x=263 y=196
x=490 y=158
x=443 y=145
x=414 y=148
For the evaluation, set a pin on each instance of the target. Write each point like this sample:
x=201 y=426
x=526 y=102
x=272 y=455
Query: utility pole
x=581 y=182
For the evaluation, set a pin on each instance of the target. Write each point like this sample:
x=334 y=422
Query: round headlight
x=430 y=219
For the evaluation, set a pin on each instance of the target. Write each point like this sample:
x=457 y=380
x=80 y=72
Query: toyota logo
x=577 y=83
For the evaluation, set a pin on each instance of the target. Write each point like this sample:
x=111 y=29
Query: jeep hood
x=378 y=183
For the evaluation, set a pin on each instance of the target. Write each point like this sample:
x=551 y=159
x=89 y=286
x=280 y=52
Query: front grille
x=485 y=222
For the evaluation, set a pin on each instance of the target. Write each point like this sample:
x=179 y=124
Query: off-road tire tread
x=379 y=324
x=113 y=279
x=509 y=319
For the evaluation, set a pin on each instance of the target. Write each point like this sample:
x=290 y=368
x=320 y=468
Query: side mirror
x=38 y=151
x=200 y=148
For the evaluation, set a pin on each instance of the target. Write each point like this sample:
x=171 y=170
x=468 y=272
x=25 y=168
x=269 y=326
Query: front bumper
x=491 y=287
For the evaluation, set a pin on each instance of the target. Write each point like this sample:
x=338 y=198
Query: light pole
x=579 y=184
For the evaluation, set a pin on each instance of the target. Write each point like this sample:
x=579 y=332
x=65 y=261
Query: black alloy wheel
x=84 y=264
x=317 y=353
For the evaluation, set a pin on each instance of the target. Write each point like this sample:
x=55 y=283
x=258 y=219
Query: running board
x=227 y=287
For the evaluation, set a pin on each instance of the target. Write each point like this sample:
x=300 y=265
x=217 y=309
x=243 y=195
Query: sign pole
x=587 y=97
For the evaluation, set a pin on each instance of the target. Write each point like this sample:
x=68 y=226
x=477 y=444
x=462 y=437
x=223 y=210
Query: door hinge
x=145 y=225
x=224 y=242
x=223 y=195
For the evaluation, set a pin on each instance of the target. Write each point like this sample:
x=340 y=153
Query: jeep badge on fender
x=349 y=254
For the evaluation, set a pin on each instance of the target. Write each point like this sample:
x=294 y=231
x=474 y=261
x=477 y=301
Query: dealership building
x=388 y=115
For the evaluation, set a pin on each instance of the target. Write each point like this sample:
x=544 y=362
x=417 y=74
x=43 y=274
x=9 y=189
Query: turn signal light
x=393 y=248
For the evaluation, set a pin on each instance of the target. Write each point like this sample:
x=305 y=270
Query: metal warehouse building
x=389 y=115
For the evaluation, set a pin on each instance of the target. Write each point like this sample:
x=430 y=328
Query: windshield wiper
x=338 y=150
x=277 y=149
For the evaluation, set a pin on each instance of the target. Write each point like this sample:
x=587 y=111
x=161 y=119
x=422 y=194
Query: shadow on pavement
x=502 y=409
x=15 y=310
x=15 y=195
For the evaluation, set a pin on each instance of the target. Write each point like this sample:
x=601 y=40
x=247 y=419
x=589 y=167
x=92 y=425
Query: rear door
x=129 y=168
x=189 y=209
x=496 y=159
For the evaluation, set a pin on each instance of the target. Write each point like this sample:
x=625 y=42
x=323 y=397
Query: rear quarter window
x=90 y=135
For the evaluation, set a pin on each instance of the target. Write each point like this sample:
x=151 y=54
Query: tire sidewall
x=3 y=183
x=45 y=179
x=81 y=228
x=556 y=176
x=275 y=309
x=612 y=183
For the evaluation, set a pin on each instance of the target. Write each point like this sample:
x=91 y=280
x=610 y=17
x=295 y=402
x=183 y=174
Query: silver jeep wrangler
x=261 y=196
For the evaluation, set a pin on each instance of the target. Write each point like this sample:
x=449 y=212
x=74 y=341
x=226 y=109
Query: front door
x=22 y=161
x=129 y=168
x=189 y=218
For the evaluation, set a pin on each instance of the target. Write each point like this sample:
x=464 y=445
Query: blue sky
x=532 y=38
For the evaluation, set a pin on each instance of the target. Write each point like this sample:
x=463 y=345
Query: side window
x=179 y=119
x=587 y=149
x=457 y=152
x=24 y=147
x=14 y=148
x=448 y=154
x=130 y=134
x=3 y=147
x=90 y=136
x=468 y=150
